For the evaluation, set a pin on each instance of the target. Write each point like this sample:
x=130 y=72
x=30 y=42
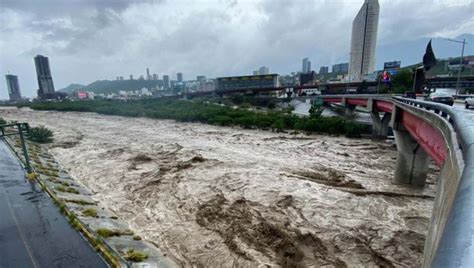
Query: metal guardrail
x=21 y=128
x=456 y=247
x=91 y=236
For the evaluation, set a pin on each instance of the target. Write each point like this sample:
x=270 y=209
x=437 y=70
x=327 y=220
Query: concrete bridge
x=423 y=131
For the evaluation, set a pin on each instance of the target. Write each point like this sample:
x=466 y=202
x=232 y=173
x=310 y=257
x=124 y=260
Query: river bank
x=219 y=196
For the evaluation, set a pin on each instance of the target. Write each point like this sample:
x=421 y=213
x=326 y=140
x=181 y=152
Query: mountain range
x=411 y=52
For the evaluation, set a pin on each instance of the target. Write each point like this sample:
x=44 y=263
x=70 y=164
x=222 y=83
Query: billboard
x=247 y=82
x=392 y=67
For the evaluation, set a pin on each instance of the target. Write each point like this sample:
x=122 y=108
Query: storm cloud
x=87 y=40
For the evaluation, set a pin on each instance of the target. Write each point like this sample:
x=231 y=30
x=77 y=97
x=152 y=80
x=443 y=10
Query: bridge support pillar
x=380 y=125
x=412 y=160
x=350 y=111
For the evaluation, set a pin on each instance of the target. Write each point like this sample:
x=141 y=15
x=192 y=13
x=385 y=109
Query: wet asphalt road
x=32 y=231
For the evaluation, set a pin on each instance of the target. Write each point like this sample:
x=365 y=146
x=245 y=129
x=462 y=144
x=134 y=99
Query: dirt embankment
x=225 y=197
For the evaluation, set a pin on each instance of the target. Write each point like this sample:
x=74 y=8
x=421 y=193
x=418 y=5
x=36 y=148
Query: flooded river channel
x=210 y=196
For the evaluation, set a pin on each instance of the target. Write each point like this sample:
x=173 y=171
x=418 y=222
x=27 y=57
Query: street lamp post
x=461 y=63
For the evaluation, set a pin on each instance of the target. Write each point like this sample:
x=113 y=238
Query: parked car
x=440 y=97
x=469 y=102
x=409 y=94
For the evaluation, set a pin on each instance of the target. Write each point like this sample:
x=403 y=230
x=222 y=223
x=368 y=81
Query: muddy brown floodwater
x=211 y=196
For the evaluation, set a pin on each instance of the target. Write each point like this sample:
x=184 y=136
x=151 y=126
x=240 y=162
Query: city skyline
x=80 y=52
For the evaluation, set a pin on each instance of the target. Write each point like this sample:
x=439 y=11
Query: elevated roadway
x=423 y=131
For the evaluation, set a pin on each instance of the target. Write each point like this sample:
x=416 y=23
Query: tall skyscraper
x=306 y=66
x=323 y=70
x=179 y=76
x=148 y=77
x=131 y=77
x=201 y=78
x=166 y=81
x=364 y=39
x=263 y=70
x=340 y=68
x=43 y=73
x=13 y=87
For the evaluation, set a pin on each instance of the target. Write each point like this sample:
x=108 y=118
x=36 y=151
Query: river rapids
x=210 y=196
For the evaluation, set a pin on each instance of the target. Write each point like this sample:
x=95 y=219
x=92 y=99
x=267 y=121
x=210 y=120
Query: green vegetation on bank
x=135 y=255
x=40 y=134
x=106 y=233
x=210 y=113
x=90 y=212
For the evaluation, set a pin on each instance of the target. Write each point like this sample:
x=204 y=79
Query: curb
x=111 y=257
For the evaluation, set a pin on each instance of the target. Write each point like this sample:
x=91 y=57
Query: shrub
x=40 y=134
x=315 y=111
x=105 y=233
x=67 y=189
x=352 y=130
x=80 y=202
x=2 y=121
x=222 y=120
x=278 y=125
x=135 y=255
x=90 y=212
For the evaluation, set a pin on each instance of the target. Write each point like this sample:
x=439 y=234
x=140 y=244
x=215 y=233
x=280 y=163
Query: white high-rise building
x=306 y=65
x=364 y=39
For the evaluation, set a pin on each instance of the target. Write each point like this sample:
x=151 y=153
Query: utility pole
x=461 y=63
x=463 y=42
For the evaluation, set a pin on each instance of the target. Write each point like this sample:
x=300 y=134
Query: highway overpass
x=423 y=131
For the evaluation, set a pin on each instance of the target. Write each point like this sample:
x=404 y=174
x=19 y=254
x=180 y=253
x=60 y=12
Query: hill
x=107 y=86
x=411 y=52
x=441 y=68
x=71 y=88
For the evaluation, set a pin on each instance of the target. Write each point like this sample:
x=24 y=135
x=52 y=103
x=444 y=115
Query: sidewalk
x=32 y=231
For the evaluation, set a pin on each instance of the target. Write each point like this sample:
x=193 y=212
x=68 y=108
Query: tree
x=315 y=111
x=278 y=125
x=402 y=81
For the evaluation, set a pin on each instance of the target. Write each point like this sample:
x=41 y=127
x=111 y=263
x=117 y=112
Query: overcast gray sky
x=88 y=40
